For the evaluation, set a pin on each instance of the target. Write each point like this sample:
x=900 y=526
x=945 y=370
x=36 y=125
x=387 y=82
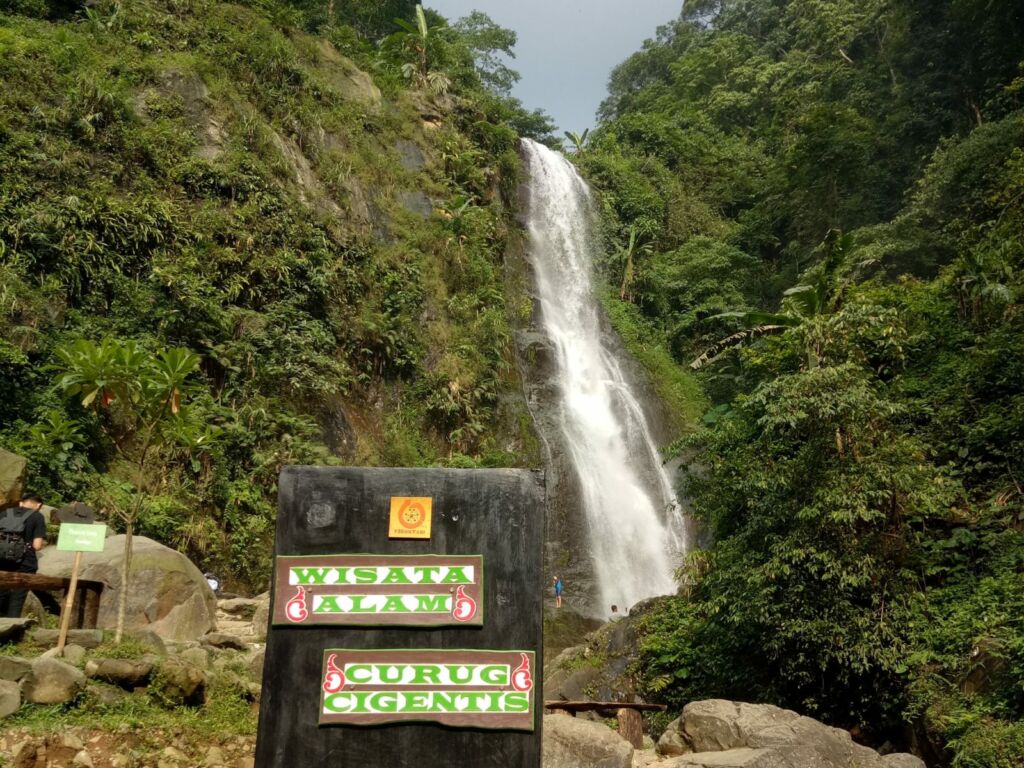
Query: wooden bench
x=631 y=725
x=87 y=598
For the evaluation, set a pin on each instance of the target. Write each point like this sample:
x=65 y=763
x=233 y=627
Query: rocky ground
x=716 y=734
x=84 y=748
x=708 y=734
x=151 y=702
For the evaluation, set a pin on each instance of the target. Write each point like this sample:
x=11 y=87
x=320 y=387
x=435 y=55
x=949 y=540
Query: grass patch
x=224 y=714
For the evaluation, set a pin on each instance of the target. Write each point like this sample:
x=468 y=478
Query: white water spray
x=636 y=527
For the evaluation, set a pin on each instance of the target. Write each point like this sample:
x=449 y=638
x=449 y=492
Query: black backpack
x=12 y=533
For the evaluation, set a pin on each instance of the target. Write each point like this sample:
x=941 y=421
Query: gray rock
x=33 y=608
x=228 y=659
x=733 y=758
x=14 y=668
x=410 y=155
x=74 y=654
x=643 y=758
x=10 y=698
x=71 y=741
x=256 y=664
x=12 y=477
x=599 y=669
x=573 y=743
x=416 y=202
x=181 y=683
x=763 y=736
x=717 y=725
x=175 y=754
x=672 y=743
x=167 y=593
x=104 y=695
x=12 y=630
x=350 y=81
x=902 y=760
x=242 y=607
x=82 y=760
x=150 y=638
x=225 y=641
x=52 y=682
x=260 y=620
x=86 y=638
x=197 y=657
x=127 y=674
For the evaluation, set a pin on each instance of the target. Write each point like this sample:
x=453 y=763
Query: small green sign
x=75 y=537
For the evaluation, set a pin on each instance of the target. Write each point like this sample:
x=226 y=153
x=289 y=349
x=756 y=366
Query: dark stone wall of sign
x=324 y=511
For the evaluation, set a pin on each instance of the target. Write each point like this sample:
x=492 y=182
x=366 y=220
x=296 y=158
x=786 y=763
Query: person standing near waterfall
x=558 y=591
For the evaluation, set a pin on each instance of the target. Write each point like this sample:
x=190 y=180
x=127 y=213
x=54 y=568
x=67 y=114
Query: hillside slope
x=330 y=241
x=819 y=206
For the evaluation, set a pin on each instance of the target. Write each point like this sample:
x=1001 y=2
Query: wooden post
x=92 y=606
x=69 y=604
x=631 y=727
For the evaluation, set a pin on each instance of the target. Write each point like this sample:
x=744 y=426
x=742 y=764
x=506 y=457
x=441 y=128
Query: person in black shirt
x=29 y=540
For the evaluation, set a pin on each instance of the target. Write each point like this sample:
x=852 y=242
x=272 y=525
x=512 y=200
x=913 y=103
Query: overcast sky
x=567 y=48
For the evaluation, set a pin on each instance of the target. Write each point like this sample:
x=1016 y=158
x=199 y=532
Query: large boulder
x=573 y=743
x=672 y=743
x=14 y=668
x=125 y=673
x=52 y=682
x=728 y=734
x=179 y=683
x=261 y=618
x=10 y=698
x=167 y=593
x=350 y=81
x=598 y=669
x=12 y=478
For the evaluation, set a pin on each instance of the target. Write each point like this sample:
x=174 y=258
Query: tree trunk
x=122 y=598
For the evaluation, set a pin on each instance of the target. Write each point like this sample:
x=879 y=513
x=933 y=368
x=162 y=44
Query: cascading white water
x=636 y=527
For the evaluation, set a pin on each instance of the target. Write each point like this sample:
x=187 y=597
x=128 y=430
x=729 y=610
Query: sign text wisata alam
x=478 y=689
x=413 y=590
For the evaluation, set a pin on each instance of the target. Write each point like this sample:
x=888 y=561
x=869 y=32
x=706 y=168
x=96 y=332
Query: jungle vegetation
x=299 y=212
x=294 y=217
x=819 y=207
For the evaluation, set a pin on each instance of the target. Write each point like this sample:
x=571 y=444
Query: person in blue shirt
x=558 y=591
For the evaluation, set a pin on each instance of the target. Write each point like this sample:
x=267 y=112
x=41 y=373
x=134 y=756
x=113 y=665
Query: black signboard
x=382 y=692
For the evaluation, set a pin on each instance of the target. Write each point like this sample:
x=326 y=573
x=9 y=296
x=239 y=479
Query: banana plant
x=579 y=140
x=632 y=249
x=417 y=39
x=800 y=303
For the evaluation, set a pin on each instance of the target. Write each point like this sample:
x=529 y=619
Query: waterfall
x=634 y=522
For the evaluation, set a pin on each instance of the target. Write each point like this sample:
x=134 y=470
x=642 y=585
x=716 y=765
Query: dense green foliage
x=828 y=198
x=223 y=178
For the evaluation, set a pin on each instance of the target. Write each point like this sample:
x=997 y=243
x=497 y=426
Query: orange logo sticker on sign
x=410 y=517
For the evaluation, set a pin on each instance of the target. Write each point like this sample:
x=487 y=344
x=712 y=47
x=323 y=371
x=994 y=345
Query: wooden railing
x=87 y=598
